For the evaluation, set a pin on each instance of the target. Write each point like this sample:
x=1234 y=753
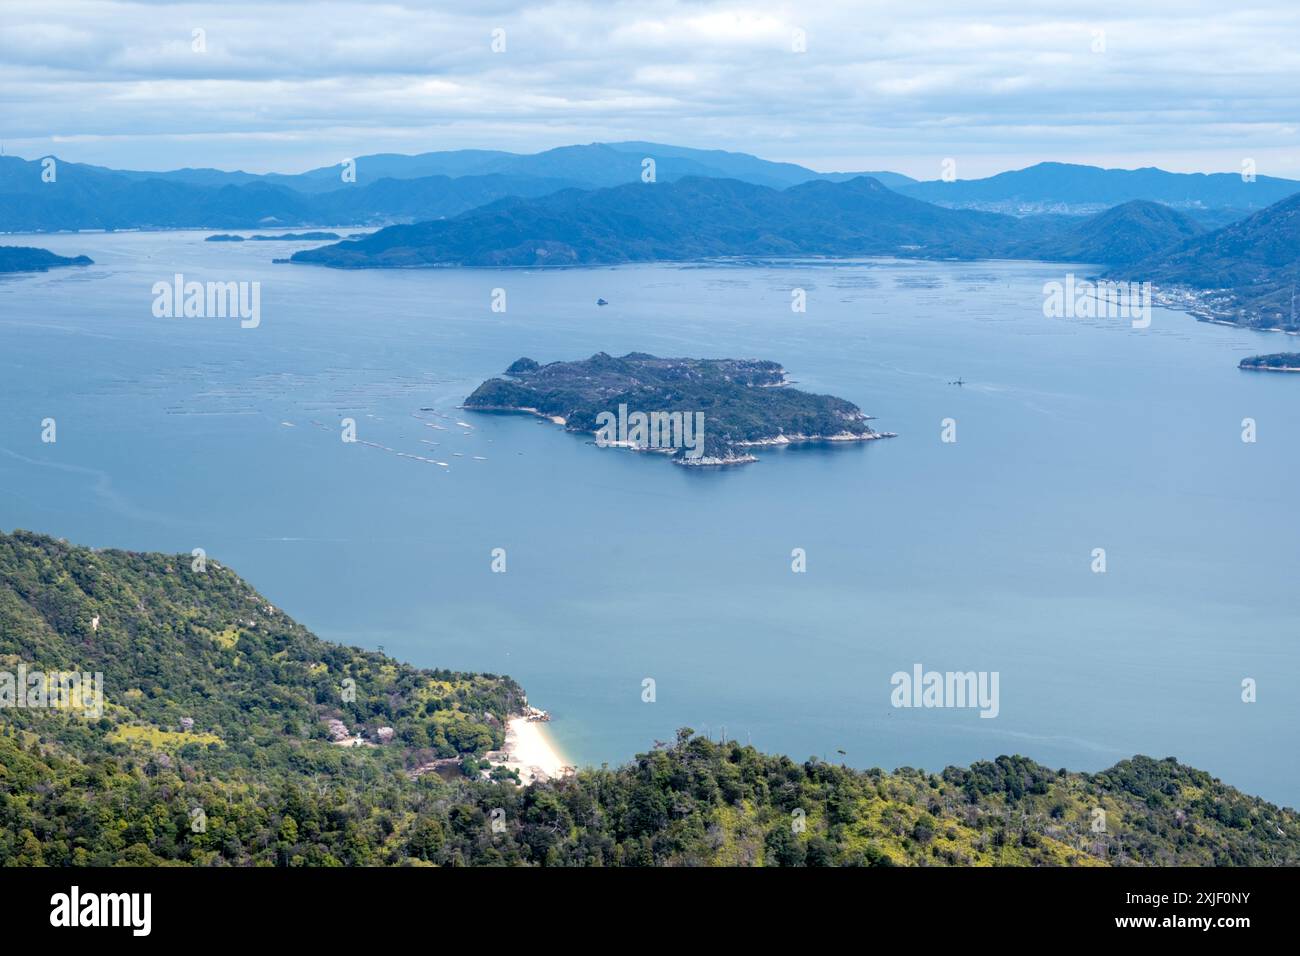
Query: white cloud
x=290 y=85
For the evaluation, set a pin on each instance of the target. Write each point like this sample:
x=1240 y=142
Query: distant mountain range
x=88 y=197
x=1067 y=188
x=388 y=188
x=391 y=188
x=591 y=166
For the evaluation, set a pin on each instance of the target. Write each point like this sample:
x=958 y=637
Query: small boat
x=601 y=302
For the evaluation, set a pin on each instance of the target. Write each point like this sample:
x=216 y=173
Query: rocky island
x=1277 y=362
x=697 y=411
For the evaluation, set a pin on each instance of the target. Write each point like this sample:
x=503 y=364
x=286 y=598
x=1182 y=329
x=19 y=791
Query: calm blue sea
x=976 y=555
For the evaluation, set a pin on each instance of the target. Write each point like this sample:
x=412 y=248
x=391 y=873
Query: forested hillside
x=213 y=749
x=1247 y=272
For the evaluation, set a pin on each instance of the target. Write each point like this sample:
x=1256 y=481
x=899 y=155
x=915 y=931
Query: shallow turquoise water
x=1072 y=435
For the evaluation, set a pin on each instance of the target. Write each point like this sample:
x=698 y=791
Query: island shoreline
x=530 y=750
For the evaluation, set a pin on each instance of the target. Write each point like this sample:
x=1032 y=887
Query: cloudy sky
x=290 y=85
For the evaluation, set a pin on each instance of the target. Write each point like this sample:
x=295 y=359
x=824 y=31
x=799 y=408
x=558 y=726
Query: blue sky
x=292 y=85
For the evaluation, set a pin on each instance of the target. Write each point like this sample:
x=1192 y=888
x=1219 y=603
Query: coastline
x=1215 y=306
x=530 y=751
x=743 y=458
x=795 y=439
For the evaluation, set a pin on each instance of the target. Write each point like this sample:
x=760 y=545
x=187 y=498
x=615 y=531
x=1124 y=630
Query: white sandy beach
x=530 y=751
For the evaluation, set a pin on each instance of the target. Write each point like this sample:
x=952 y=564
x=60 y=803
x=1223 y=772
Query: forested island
x=696 y=411
x=285 y=237
x=1277 y=362
x=218 y=708
x=31 y=259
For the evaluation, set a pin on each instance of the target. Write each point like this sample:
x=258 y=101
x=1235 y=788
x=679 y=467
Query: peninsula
x=31 y=259
x=1277 y=362
x=697 y=411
